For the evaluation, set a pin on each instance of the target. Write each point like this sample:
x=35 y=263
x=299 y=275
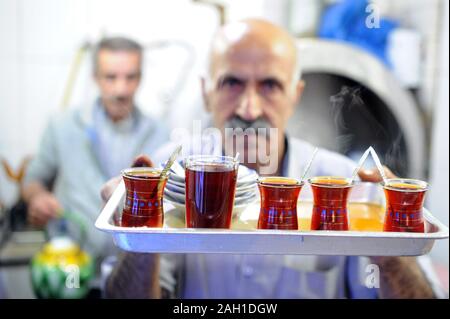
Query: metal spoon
x=309 y=164
x=169 y=164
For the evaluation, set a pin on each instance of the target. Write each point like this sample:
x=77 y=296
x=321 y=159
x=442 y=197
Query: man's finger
x=369 y=175
x=109 y=187
x=47 y=207
x=53 y=207
x=142 y=161
x=38 y=219
x=49 y=213
x=40 y=222
x=373 y=175
x=43 y=212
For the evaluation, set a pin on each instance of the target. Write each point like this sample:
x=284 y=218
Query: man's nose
x=121 y=87
x=250 y=106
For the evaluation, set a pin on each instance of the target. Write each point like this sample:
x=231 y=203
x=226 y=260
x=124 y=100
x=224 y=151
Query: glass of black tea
x=210 y=190
x=144 y=197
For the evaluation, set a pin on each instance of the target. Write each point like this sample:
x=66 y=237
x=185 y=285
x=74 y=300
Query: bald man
x=253 y=82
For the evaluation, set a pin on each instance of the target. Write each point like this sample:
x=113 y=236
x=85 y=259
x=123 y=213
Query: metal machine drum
x=351 y=101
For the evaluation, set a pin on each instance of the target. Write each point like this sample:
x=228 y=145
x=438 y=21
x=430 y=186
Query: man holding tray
x=253 y=82
x=83 y=148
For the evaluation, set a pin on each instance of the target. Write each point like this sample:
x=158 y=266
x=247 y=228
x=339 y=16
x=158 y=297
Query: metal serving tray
x=243 y=238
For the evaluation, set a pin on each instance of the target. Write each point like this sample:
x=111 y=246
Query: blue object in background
x=346 y=21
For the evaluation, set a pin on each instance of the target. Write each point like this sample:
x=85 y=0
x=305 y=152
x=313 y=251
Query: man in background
x=83 y=148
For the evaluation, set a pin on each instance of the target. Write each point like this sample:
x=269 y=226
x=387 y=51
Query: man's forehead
x=118 y=54
x=252 y=63
x=119 y=59
x=253 y=44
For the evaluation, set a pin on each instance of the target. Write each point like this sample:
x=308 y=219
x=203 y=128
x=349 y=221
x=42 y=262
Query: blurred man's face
x=118 y=76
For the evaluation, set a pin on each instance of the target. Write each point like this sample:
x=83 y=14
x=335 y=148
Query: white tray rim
x=102 y=223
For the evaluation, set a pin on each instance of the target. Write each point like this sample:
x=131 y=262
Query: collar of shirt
x=125 y=125
x=285 y=161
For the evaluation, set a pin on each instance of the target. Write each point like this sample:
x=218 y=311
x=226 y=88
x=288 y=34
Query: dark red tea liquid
x=330 y=204
x=278 y=203
x=210 y=190
x=143 y=201
x=404 y=204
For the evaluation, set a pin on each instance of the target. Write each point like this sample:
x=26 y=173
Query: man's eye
x=110 y=77
x=270 y=85
x=231 y=83
x=132 y=77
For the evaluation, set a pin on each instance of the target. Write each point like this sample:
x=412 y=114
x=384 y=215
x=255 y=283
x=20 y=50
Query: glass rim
x=411 y=181
x=125 y=172
x=298 y=183
x=202 y=159
x=350 y=182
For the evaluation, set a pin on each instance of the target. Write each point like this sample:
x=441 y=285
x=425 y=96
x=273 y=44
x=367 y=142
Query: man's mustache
x=238 y=122
x=119 y=98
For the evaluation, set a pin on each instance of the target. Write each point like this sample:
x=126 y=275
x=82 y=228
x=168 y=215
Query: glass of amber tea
x=404 y=205
x=279 y=197
x=144 y=197
x=330 y=202
x=210 y=189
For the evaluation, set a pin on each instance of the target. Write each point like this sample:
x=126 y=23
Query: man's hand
x=373 y=175
x=111 y=185
x=43 y=207
x=136 y=275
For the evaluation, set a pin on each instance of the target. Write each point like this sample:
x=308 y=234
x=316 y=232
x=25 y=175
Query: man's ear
x=95 y=77
x=299 y=91
x=205 y=94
